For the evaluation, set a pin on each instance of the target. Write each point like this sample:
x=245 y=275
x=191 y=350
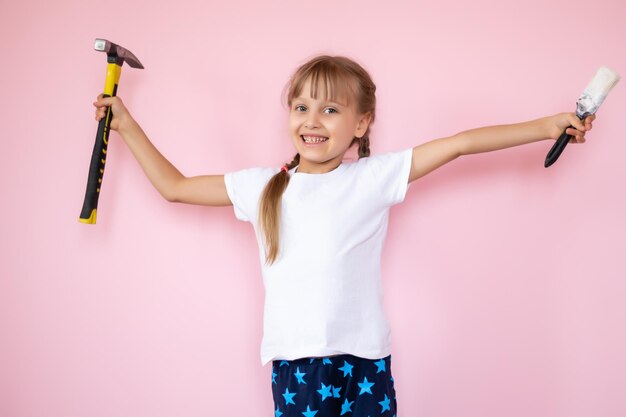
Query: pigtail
x=269 y=209
x=364 y=145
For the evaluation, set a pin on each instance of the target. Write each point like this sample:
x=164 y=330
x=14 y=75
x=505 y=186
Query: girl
x=320 y=224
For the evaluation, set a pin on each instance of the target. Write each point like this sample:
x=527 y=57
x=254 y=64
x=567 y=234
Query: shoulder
x=387 y=174
x=385 y=162
x=249 y=177
x=244 y=188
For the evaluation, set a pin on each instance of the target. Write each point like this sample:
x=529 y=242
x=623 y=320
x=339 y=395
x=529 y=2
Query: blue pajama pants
x=334 y=386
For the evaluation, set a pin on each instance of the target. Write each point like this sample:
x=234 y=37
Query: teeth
x=314 y=139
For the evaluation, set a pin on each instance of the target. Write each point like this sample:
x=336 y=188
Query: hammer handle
x=96 y=169
x=99 y=154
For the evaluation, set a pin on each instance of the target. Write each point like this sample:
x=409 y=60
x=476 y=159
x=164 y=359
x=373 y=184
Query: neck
x=311 y=167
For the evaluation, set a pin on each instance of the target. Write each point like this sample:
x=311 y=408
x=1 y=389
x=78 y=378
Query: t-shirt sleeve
x=244 y=189
x=390 y=175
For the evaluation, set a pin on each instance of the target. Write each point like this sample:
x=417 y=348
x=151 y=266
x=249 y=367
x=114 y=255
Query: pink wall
x=504 y=280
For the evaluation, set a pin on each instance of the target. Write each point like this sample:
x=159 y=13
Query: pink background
x=504 y=281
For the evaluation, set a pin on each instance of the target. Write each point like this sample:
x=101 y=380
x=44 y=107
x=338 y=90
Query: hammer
x=116 y=55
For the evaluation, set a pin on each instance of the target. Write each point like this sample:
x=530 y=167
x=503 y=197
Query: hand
x=120 y=117
x=559 y=122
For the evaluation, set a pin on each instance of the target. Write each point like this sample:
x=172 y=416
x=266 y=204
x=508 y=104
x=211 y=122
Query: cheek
x=346 y=129
x=294 y=123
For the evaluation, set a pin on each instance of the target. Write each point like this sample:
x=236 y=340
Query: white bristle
x=597 y=90
x=602 y=83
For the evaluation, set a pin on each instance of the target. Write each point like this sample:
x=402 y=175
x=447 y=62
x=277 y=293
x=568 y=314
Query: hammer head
x=116 y=53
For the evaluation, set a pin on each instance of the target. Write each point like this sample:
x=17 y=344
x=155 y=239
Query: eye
x=300 y=108
x=331 y=110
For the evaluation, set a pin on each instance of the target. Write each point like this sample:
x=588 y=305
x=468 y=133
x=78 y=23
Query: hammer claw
x=119 y=53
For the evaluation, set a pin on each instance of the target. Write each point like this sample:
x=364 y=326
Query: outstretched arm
x=209 y=190
x=431 y=155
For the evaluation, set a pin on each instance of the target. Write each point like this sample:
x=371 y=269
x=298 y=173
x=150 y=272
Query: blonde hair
x=334 y=77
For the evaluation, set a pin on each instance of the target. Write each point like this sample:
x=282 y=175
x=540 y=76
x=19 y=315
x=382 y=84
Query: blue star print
x=308 y=412
x=381 y=365
x=325 y=391
x=346 y=368
x=384 y=404
x=284 y=363
x=312 y=385
x=365 y=386
x=300 y=375
x=345 y=407
x=288 y=396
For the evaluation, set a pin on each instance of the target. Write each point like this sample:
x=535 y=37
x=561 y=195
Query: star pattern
x=289 y=397
x=325 y=391
x=366 y=387
x=345 y=407
x=300 y=376
x=346 y=368
x=308 y=412
x=380 y=365
x=385 y=404
x=309 y=389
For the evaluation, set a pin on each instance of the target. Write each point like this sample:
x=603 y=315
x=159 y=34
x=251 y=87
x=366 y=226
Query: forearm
x=492 y=138
x=161 y=173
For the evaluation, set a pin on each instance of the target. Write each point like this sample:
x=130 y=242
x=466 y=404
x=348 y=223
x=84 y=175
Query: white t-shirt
x=323 y=294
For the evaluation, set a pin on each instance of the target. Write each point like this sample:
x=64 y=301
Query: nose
x=311 y=121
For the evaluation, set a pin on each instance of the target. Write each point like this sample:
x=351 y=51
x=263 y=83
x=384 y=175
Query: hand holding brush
x=587 y=105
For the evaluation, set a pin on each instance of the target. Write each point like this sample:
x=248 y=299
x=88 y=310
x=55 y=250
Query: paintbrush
x=588 y=103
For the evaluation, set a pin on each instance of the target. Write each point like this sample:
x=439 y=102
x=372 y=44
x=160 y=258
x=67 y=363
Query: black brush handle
x=561 y=143
x=557 y=148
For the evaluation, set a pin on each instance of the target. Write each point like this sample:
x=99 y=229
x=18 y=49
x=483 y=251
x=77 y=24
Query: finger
x=100 y=112
x=101 y=102
x=577 y=123
x=104 y=101
x=574 y=133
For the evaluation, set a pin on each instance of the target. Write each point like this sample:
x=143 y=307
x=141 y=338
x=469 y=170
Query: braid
x=364 y=146
x=269 y=209
x=294 y=162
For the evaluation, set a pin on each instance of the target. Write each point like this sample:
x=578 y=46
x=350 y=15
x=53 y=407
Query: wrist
x=127 y=126
x=546 y=127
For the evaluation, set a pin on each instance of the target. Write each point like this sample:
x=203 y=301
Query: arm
x=431 y=155
x=207 y=190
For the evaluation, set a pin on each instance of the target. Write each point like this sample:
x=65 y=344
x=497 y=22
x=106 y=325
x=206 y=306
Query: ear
x=362 y=124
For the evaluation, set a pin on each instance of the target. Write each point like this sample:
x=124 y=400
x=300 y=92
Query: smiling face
x=322 y=127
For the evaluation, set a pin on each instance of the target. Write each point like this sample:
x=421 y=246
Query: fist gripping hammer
x=116 y=55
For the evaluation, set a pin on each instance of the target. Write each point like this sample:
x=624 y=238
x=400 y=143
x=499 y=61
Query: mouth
x=313 y=140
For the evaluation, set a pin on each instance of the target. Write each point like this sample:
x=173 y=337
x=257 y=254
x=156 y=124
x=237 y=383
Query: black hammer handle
x=96 y=169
